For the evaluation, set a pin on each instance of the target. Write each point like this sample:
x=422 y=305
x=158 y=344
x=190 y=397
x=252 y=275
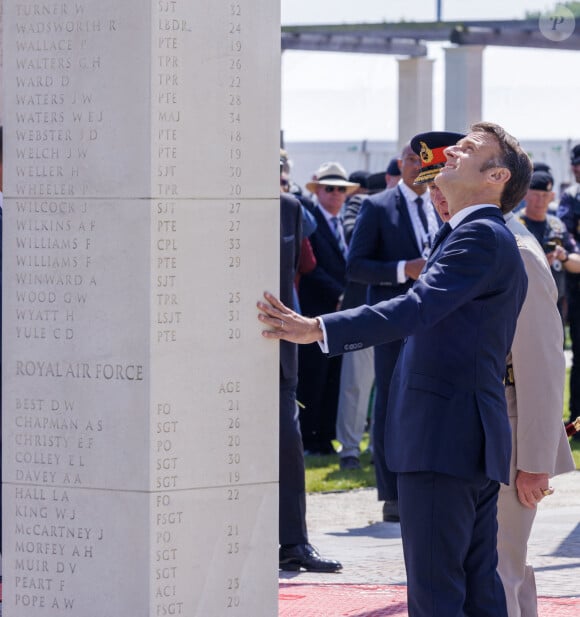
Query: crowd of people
x=439 y=290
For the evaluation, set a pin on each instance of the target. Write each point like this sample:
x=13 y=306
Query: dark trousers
x=318 y=387
x=449 y=533
x=385 y=360
x=574 y=323
x=292 y=489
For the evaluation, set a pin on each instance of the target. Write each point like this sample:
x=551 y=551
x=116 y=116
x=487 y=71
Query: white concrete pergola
x=463 y=60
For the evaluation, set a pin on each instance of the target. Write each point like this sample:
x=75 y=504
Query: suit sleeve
x=539 y=372
x=566 y=212
x=446 y=285
x=298 y=231
x=350 y=216
x=328 y=288
x=363 y=265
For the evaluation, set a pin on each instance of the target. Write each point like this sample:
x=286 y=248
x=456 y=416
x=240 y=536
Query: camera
x=549 y=246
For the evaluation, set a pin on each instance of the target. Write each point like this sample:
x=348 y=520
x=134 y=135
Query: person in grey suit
x=448 y=434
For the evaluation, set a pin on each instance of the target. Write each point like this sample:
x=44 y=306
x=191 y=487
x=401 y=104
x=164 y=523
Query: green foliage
x=574 y=443
x=574 y=7
x=323 y=473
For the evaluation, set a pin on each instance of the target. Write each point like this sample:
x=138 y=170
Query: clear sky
x=535 y=94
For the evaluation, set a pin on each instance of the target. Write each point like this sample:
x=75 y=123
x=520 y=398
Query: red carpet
x=298 y=600
x=343 y=600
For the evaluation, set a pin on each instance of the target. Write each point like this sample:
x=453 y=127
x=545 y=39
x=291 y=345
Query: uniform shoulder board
x=556 y=224
x=573 y=190
x=520 y=240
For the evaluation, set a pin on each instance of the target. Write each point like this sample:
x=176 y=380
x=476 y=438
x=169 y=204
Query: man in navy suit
x=320 y=291
x=448 y=435
x=390 y=242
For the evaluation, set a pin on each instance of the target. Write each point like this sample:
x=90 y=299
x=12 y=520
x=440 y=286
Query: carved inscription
x=172 y=27
x=57 y=123
x=78 y=401
x=168 y=519
x=55 y=276
x=234 y=533
x=58 y=438
x=52 y=543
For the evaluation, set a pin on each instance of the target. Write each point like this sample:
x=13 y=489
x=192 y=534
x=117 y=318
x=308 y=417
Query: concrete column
x=463 y=86
x=141 y=224
x=1 y=65
x=415 y=97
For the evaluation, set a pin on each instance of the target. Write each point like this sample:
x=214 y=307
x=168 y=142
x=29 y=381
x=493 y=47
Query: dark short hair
x=393 y=168
x=512 y=157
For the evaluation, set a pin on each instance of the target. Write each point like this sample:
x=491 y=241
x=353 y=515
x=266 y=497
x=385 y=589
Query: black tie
x=443 y=232
x=422 y=215
x=337 y=224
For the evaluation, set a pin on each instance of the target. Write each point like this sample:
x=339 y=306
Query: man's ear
x=499 y=175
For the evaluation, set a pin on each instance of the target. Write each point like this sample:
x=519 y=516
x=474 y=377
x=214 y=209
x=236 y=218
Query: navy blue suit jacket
x=447 y=410
x=382 y=237
x=321 y=289
x=290 y=242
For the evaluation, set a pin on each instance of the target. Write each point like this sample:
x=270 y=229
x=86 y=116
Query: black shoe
x=319 y=449
x=326 y=447
x=391 y=512
x=305 y=556
x=348 y=463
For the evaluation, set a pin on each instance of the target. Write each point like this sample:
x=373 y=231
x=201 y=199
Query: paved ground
x=348 y=526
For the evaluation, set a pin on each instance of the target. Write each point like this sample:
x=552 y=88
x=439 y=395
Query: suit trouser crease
x=318 y=386
x=514 y=527
x=385 y=360
x=448 y=528
x=292 y=489
x=356 y=382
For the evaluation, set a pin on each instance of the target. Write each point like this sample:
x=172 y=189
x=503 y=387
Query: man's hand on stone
x=285 y=324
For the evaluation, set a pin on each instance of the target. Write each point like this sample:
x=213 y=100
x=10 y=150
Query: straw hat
x=332 y=174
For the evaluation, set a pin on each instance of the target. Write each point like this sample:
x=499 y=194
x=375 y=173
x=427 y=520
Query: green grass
x=574 y=444
x=323 y=473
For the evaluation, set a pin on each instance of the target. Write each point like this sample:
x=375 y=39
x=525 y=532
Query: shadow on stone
x=570 y=546
x=374 y=530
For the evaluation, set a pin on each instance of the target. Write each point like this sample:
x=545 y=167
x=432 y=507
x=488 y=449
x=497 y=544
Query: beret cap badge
x=426 y=153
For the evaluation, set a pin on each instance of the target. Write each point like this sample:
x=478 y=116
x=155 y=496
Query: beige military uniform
x=535 y=405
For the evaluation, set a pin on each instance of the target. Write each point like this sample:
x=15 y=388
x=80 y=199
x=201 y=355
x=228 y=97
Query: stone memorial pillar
x=415 y=98
x=140 y=404
x=463 y=86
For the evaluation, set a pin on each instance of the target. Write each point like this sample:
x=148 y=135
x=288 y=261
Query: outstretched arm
x=285 y=324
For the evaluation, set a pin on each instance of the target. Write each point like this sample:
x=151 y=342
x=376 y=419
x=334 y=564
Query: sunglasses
x=331 y=189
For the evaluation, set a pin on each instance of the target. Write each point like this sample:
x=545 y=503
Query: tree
x=574 y=7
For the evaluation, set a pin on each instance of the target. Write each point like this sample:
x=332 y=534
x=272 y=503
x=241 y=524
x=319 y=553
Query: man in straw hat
x=534 y=386
x=448 y=434
x=320 y=291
